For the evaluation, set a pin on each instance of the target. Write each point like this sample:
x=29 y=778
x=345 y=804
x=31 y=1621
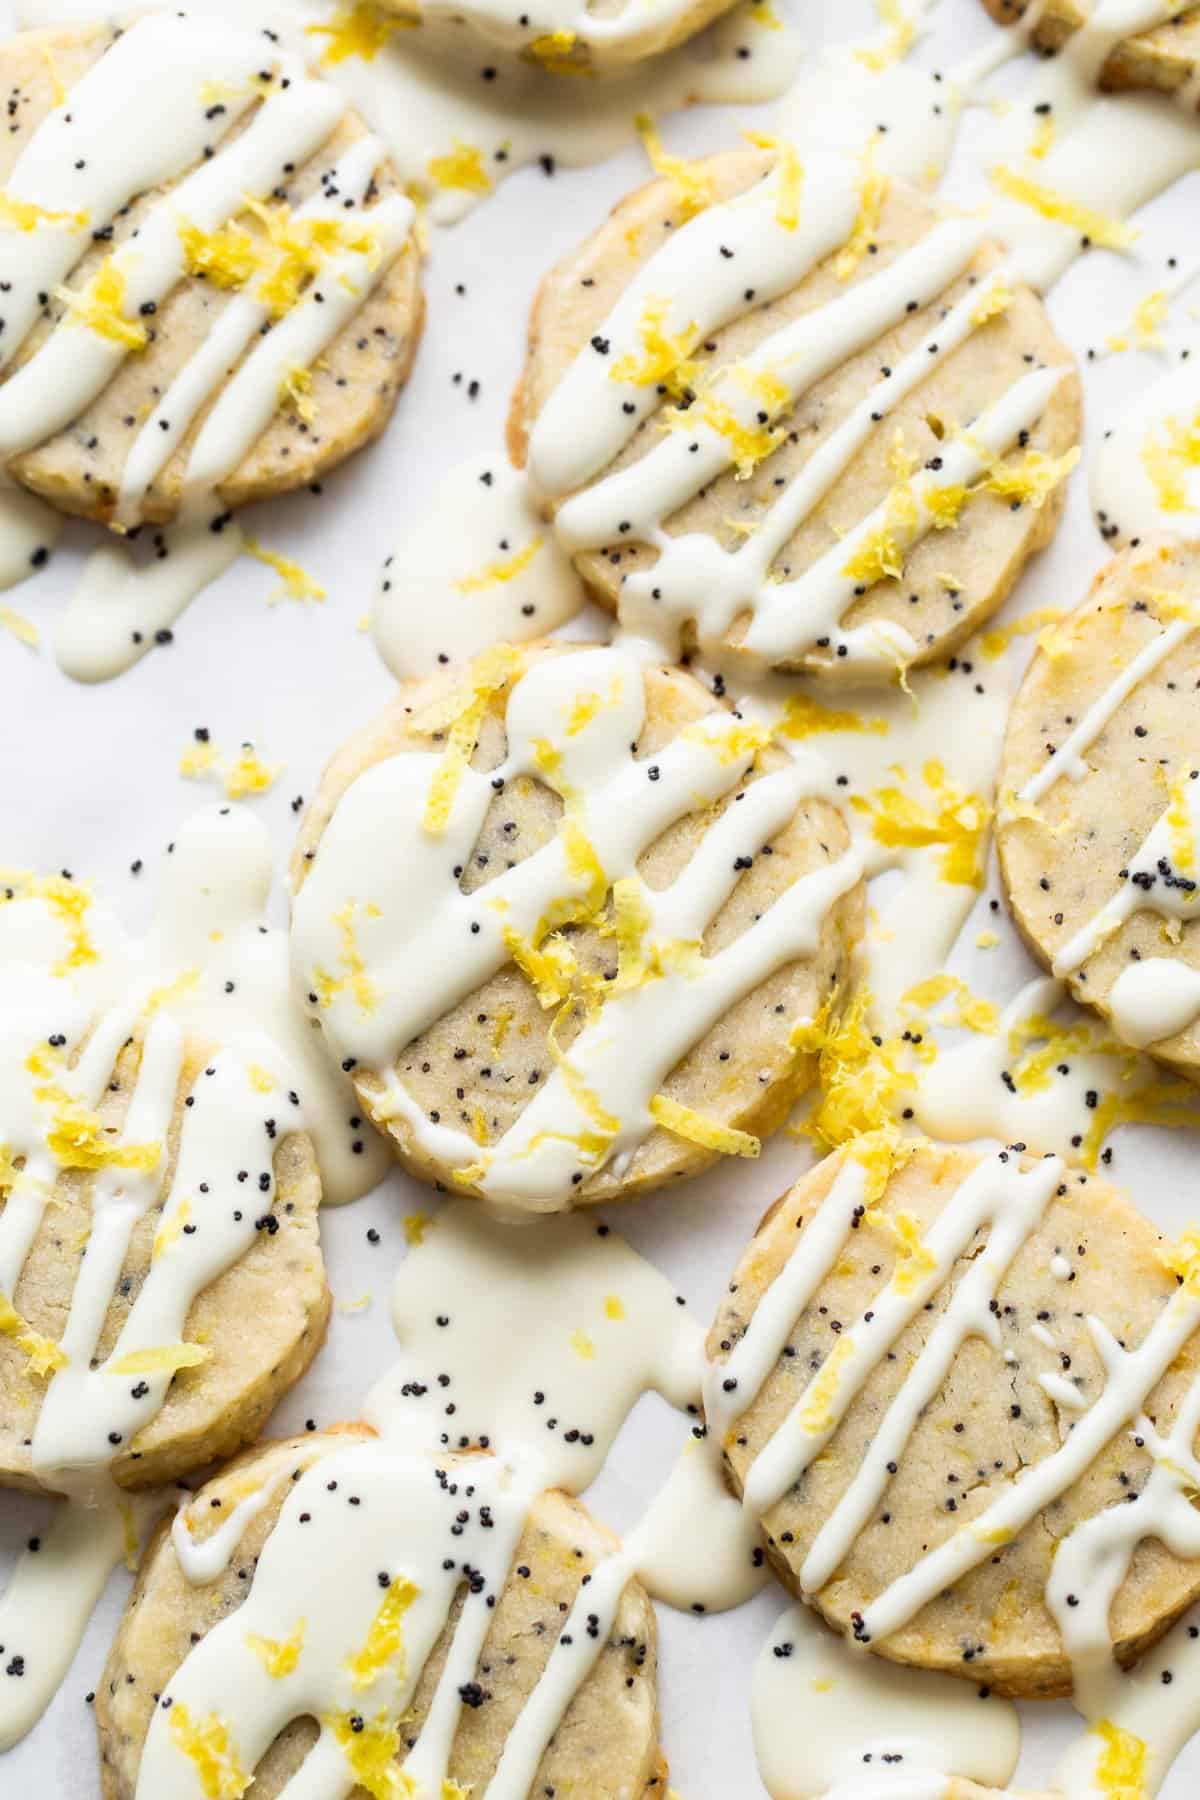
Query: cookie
x=560 y=914
x=261 y=326
x=399 y=1602
x=162 y=1226
x=791 y=410
x=1096 y=832
x=570 y=41
x=1164 y=56
x=953 y=1386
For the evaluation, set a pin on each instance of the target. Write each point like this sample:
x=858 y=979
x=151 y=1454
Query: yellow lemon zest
x=205 y=1743
x=385 y=1639
x=817 y=1414
x=44 y=1355
x=1179 y=823
x=995 y=643
x=503 y=569
x=165 y=1359
x=582 y=1345
x=914 y=1258
x=804 y=718
x=297 y=583
x=692 y=183
x=22 y=628
x=789 y=177
x=295 y=390
x=613 y=1307
x=463 y=712
x=359 y=30
x=415 y=1227
x=1166 y=463
x=664 y=358
x=958 y=820
x=973 y=1014
x=370 y=1748
x=227 y=257
x=23 y=215
x=354 y=979
x=1105 y=232
x=872 y=192
x=248 y=774
x=171 y=1229
x=1032 y=478
x=995 y=301
x=898 y=38
x=1120 y=1770
x=278 y=1656
x=686 y=1122
x=461 y=167
x=97 y=307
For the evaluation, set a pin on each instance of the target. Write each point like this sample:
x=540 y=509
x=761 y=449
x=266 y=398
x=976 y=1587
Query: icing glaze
x=419 y=944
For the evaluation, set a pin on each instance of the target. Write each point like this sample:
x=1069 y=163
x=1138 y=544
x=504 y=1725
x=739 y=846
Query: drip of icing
x=29 y=530
x=420 y=944
x=477 y=568
x=1154 y=999
x=543 y=1346
x=51 y=1595
x=202 y=1562
x=825 y=1719
x=1052 y=1080
x=882 y=749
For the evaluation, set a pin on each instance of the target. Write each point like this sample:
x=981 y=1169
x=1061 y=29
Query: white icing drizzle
x=825 y=1718
x=1151 y=882
x=998 y=1193
x=204 y=1561
x=423 y=948
x=1153 y=999
x=477 y=567
x=1069 y=757
x=51 y=1595
x=983 y=1088
x=29 y=530
x=548 y=1343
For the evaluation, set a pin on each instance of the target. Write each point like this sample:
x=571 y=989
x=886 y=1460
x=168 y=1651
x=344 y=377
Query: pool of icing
x=101 y=792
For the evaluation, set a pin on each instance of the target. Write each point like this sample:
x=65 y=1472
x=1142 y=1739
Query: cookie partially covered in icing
x=209 y=279
x=560 y=913
x=435 y=1611
x=1100 y=779
x=1164 y=54
x=787 y=408
x=962 y=1392
x=164 y=1284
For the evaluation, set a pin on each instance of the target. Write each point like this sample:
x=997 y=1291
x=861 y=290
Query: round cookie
x=327 y=404
x=965 y=1284
x=1164 y=56
x=605 y=35
x=1099 y=801
x=607 y=1742
x=902 y=344
x=251 y=1331
x=586 y=983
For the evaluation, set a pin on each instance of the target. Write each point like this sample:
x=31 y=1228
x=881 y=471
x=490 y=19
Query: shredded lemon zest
x=1121 y=1766
x=359 y=30
x=43 y=1353
x=297 y=584
x=686 y=1122
x=278 y=1656
x=166 y=1359
x=995 y=643
x=817 y=1414
x=502 y=570
x=461 y=167
x=206 y=1744
x=789 y=177
x=97 y=307
x=898 y=39
x=872 y=192
x=385 y=1640
x=959 y=821
x=692 y=183
x=22 y=628
x=1105 y=232
x=665 y=356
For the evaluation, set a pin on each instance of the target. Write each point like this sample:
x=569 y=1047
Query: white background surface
x=89 y=781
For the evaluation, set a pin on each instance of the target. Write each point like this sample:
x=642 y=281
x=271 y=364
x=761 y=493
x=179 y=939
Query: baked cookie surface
x=429 y=1635
x=146 y=1345
x=571 y=966
x=948 y=1388
x=175 y=337
x=1096 y=829
x=789 y=409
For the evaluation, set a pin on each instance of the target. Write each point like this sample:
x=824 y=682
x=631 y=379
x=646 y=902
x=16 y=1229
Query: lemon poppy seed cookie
x=953 y=1388
x=441 y=1616
x=1101 y=783
x=560 y=914
x=162 y=1282
x=1162 y=50
x=221 y=301
x=786 y=407
x=566 y=39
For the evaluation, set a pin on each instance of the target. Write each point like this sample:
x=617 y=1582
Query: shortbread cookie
x=795 y=410
x=372 y=1584
x=261 y=326
x=1101 y=784
x=148 y=1355
x=935 y=1381
x=565 y=41
x=560 y=913
x=1165 y=55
